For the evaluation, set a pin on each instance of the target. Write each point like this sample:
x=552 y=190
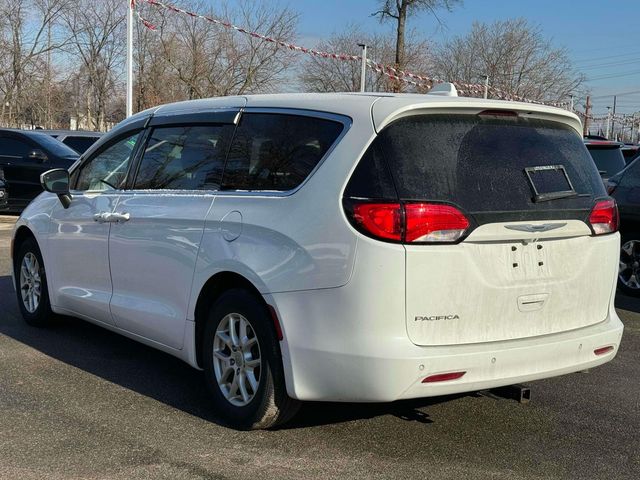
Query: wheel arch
x=22 y=233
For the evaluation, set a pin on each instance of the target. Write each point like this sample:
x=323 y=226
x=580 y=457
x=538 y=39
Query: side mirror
x=57 y=181
x=38 y=155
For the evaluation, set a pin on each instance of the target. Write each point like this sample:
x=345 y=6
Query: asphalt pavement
x=79 y=402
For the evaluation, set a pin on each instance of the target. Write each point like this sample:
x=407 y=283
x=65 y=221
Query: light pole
x=363 y=71
x=608 y=121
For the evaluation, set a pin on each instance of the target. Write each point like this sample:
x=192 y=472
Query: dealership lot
x=77 y=401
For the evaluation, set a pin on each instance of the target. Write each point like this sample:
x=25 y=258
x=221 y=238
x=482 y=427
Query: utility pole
x=363 y=71
x=130 y=7
x=608 y=121
x=571 y=102
x=587 y=112
x=613 y=121
x=486 y=86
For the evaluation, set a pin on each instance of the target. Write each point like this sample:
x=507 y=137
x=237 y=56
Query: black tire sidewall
x=271 y=377
x=43 y=313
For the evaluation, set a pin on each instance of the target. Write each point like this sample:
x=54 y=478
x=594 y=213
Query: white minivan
x=334 y=247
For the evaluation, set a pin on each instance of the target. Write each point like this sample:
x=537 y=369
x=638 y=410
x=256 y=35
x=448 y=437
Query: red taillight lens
x=604 y=217
x=382 y=220
x=428 y=222
x=411 y=222
x=443 y=377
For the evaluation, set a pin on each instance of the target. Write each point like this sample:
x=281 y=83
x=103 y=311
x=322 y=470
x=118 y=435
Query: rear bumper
x=330 y=363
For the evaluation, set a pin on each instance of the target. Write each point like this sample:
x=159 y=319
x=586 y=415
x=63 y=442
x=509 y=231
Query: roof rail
x=444 y=89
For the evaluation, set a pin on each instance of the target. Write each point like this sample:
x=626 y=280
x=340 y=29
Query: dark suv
x=607 y=155
x=24 y=155
x=625 y=188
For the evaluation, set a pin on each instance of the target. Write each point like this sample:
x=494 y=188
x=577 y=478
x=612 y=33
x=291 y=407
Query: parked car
x=625 y=188
x=24 y=156
x=630 y=152
x=78 y=140
x=4 y=197
x=334 y=247
x=607 y=156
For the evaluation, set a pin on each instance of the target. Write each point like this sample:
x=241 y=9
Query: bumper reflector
x=603 y=350
x=443 y=377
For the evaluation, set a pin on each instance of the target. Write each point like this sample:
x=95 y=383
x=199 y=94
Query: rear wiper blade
x=547 y=197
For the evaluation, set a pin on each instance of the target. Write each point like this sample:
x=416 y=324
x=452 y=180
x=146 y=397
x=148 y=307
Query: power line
x=618 y=94
x=603 y=77
x=610 y=64
x=606 y=57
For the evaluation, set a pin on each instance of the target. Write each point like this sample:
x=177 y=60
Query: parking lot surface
x=77 y=401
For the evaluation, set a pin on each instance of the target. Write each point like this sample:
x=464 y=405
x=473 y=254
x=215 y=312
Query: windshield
x=59 y=149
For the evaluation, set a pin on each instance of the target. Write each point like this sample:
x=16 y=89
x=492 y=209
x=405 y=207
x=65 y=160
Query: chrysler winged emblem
x=543 y=227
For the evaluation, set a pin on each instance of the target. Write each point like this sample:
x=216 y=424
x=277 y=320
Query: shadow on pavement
x=626 y=302
x=162 y=377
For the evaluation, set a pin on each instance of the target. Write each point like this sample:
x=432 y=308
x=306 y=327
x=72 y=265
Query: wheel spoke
x=226 y=339
x=233 y=387
x=251 y=377
x=253 y=363
x=243 y=387
x=232 y=330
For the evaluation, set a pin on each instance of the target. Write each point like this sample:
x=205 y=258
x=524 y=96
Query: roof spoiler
x=444 y=89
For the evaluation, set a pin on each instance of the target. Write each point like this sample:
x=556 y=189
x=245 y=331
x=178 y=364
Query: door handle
x=104 y=217
x=119 y=217
x=101 y=217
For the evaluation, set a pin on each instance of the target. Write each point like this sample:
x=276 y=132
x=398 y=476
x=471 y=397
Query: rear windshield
x=54 y=146
x=479 y=162
x=80 y=144
x=609 y=160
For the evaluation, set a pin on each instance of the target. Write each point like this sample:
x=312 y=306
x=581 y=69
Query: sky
x=601 y=37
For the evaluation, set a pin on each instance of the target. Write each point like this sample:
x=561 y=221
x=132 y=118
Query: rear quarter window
x=277 y=152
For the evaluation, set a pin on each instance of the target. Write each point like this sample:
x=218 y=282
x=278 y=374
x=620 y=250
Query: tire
x=236 y=361
x=629 y=277
x=29 y=273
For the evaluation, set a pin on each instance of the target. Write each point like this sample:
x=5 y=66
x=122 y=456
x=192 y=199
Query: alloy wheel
x=236 y=359
x=30 y=282
x=629 y=272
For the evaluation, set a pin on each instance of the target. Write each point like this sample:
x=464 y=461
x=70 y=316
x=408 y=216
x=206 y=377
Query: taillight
x=428 y=222
x=604 y=217
x=381 y=220
x=410 y=222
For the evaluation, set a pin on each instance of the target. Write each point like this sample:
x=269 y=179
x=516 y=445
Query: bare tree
x=327 y=75
x=97 y=30
x=399 y=10
x=194 y=58
x=25 y=38
x=517 y=58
